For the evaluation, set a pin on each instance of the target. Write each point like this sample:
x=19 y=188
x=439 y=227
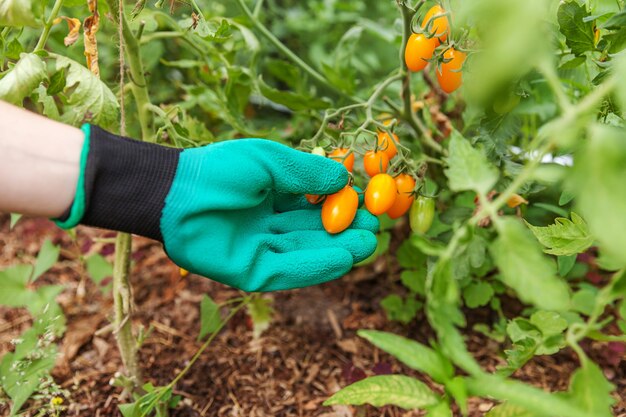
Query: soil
x=309 y=351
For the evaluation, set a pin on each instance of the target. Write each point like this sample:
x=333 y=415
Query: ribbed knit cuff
x=126 y=182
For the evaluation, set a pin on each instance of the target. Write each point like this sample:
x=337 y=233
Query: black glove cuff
x=126 y=182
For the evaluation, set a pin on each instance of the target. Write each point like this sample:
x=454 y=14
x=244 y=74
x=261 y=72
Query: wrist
x=123 y=184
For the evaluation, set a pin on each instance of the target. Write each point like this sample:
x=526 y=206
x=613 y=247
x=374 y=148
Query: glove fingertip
x=368 y=246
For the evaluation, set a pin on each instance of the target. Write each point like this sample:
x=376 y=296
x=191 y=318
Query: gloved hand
x=232 y=211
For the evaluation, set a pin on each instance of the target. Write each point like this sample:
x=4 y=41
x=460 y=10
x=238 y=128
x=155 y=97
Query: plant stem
x=138 y=83
x=122 y=299
x=41 y=43
x=289 y=53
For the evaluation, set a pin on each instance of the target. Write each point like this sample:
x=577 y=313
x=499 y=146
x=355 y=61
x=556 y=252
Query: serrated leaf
x=399 y=309
x=413 y=354
x=468 y=168
x=210 y=319
x=48 y=255
x=590 y=391
x=579 y=34
x=550 y=323
x=398 y=390
x=22 y=79
x=599 y=172
x=89 y=98
x=564 y=237
x=18 y=13
x=525 y=269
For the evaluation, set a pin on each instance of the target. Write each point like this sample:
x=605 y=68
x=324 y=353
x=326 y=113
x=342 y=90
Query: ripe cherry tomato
x=375 y=162
x=314 y=199
x=405 y=185
x=422 y=214
x=440 y=26
x=381 y=193
x=449 y=75
x=387 y=144
x=339 y=155
x=339 y=210
x=419 y=49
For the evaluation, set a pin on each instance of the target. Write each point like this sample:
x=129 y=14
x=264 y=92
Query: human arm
x=39 y=163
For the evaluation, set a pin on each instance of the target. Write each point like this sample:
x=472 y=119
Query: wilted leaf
x=90 y=28
x=74 y=28
x=260 y=310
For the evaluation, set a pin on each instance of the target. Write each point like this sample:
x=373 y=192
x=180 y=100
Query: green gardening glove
x=232 y=211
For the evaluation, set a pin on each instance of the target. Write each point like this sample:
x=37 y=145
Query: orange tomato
x=387 y=144
x=375 y=162
x=343 y=155
x=439 y=26
x=381 y=193
x=419 y=49
x=339 y=210
x=405 y=185
x=449 y=75
x=314 y=199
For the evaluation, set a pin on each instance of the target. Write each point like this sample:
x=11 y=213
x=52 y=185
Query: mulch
x=309 y=351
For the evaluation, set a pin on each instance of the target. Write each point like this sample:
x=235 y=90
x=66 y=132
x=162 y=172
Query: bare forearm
x=39 y=163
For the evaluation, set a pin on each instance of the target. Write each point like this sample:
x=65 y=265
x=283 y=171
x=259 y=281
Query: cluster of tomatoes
x=420 y=49
x=384 y=193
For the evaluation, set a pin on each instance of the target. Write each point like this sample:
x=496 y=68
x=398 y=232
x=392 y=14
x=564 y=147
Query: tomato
x=422 y=214
x=381 y=193
x=387 y=144
x=405 y=185
x=343 y=155
x=314 y=199
x=419 y=49
x=375 y=162
x=440 y=26
x=449 y=75
x=339 y=210
x=318 y=150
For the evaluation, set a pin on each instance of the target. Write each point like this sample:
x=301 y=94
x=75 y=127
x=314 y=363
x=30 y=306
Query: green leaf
x=440 y=410
x=57 y=83
x=260 y=310
x=291 y=100
x=14 y=286
x=584 y=300
x=566 y=197
x=210 y=319
x=509 y=410
x=414 y=280
x=549 y=323
x=525 y=269
x=22 y=79
x=413 y=354
x=477 y=294
x=399 y=309
x=89 y=98
x=615 y=22
x=409 y=257
x=18 y=13
x=399 y=390
x=468 y=168
x=130 y=409
x=579 y=34
x=564 y=237
x=599 y=172
x=619 y=67
x=590 y=391
x=565 y=264
x=48 y=255
x=98 y=268
x=14 y=219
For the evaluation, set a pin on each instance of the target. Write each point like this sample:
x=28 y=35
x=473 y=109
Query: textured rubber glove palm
x=232 y=211
x=236 y=213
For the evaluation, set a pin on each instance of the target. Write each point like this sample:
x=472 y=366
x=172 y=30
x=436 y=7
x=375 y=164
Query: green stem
x=139 y=84
x=41 y=43
x=257 y=8
x=289 y=54
x=122 y=300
